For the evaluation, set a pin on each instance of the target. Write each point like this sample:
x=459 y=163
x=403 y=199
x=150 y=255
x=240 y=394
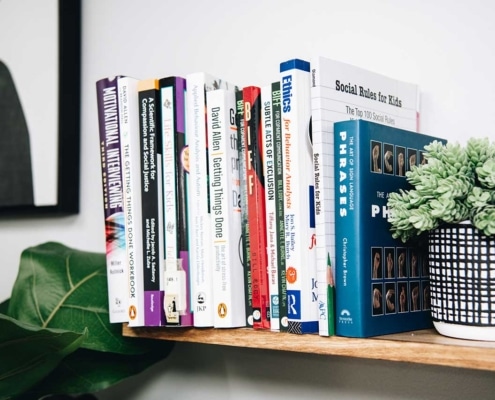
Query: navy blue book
x=382 y=284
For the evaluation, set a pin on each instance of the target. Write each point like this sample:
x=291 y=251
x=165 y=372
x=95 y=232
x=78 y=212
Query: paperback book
x=340 y=91
x=382 y=284
x=256 y=212
x=274 y=204
x=200 y=241
x=244 y=250
x=131 y=160
x=299 y=217
x=175 y=167
x=113 y=202
x=149 y=122
x=268 y=172
x=228 y=273
x=278 y=146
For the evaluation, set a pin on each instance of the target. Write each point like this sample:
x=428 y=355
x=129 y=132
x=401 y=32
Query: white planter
x=462 y=282
x=485 y=333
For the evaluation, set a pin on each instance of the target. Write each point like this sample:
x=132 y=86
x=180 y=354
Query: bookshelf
x=421 y=347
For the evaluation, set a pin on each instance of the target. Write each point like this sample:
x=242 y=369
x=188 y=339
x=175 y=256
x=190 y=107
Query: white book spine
x=200 y=242
x=267 y=121
x=228 y=273
x=300 y=232
x=339 y=92
x=169 y=175
x=324 y=208
x=199 y=217
x=130 y=144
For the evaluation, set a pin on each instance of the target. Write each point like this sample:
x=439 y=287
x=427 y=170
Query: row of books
x=232 y=207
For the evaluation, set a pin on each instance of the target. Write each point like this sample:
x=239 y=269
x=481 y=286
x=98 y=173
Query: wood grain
x=422 y=347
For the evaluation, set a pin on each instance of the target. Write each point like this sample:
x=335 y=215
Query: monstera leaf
x=61 y=295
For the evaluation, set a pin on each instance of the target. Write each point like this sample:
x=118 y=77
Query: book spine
x=199 y=209
x=244 y=215
x=131 y=160
x=228 y=274
x=182 y=196
x=148 y=95
x=279 y=203
x=113 y=203
x=300 y=235
x=253 y=138
x=169 y=168
x=175 y=168
x=161 y=244
x=270 y=205
x=324 y=211
x=200 y=242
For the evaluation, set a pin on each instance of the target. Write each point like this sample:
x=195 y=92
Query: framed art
x=40 y=66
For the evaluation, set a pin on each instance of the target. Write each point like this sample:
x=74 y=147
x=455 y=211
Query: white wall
x=443 y=46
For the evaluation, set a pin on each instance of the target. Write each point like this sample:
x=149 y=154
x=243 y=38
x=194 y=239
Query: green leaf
x=60 y=287
x=63 y=291
x=28 y=354
x=87 y=371
x=4 y=307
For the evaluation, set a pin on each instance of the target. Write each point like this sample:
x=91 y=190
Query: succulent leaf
x=455 y=184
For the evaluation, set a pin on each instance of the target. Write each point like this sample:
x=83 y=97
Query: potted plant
x=55 y=336
x=452 y=203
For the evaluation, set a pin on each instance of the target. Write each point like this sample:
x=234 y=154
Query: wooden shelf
x=423 y=347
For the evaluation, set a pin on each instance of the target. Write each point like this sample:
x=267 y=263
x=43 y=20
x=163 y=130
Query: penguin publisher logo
x=132 y=313
x=222 y=310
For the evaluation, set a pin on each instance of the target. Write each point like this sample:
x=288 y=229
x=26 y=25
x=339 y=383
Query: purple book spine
x=111 y=170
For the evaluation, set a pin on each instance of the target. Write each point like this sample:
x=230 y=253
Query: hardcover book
x=382 y=284
x=198 y=206
x=299 y=218
x=228 y=273
x=149 y=123
x=175 y=167
x=113 y=202
x=244 y=251
x=340 y=92
x=256 y=213
x=131 y=160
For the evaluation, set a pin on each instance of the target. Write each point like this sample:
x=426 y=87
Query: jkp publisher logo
x=201 y=298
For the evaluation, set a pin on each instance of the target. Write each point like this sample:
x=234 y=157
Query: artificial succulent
x=455 y=184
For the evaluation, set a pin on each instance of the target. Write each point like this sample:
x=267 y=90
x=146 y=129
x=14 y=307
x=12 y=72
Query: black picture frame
x=68 y=119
